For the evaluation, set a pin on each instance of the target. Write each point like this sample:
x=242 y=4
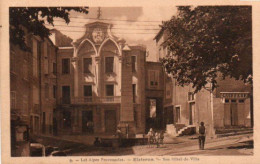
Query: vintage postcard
x=121 y=82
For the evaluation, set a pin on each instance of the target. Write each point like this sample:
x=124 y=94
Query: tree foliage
x=206 y=41
x=31 y=20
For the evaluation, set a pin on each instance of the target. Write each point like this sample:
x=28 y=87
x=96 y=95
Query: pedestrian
x=157 y=139
x=161 y=137
x=97 y=142
x=150 y=136
x=202 y=137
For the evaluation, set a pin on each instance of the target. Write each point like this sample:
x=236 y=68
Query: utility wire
x=115 y=33
x=101 y=27
x=114 y=19
x=113 y=23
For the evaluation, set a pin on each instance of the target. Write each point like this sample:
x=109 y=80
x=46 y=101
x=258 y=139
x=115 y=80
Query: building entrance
x=154 y=114
x=87 y=122
x=233 y=114
x=110 y=121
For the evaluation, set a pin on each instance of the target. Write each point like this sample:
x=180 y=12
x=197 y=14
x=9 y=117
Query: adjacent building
x=29 y=78
x=229 y=105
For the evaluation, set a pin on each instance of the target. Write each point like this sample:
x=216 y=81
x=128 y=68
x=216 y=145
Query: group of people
x=158 y=137
x=155 y=137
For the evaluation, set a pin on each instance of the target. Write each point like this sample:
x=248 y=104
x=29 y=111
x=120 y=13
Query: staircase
x=180 y=130
x=188 y=130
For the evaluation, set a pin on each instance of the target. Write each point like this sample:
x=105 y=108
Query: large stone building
x=101 y=83
x=229 y=105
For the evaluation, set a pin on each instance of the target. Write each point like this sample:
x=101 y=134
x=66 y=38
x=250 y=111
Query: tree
x=206 y=41
x=31 y=20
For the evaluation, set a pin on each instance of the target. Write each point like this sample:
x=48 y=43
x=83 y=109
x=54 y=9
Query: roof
x=159 y=34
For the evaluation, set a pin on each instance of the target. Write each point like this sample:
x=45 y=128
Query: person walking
x=202 y=137
x=161 y=137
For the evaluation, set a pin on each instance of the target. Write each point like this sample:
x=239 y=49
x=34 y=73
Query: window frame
x=113 y=69
x=87 y=85
x=83 y=64
x=63 y=72
x=106 y=89
x=54 y=68
x=153 y=86
x=134 y=91
x=178 y=117
x=193 y=98
x=134 y=65
x=54 y=91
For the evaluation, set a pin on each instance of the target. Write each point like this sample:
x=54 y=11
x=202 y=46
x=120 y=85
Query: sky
x=137 y=25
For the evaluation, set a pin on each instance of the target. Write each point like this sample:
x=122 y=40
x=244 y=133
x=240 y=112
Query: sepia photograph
x=123 y=81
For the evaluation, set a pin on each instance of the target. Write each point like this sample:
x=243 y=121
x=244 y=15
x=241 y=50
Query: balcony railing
x=89 y=100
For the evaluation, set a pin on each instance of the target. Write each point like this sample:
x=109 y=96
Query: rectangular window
x=46 y=66
x=54 y=91
x=178 y=114
x=46 y=88
x=109 y=65
x=241 y=101
x=226 y=100
x=134 y=92
x=109 y=90
x=54 y=68
x=87 y=64
x=13 y=99
x=66 y=66
x=133 y=63
x=87 y=90
x=191 y=96
x=154 y=79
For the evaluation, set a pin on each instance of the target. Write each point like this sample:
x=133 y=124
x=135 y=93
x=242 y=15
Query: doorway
x=154 y=114
x=233 y=113
x=192 y=113
x=87 y=122
x=110 y=121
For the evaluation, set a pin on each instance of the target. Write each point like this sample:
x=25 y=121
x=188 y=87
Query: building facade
x=229 y=105
x=27 y=74
x=100 y=83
